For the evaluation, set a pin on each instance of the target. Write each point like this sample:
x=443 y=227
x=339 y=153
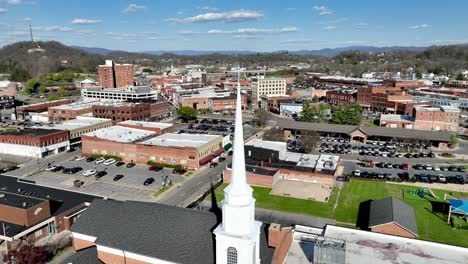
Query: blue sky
x=260 y=25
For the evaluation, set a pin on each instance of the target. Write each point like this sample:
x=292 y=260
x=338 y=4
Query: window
x=231 y=255
x=38 y=233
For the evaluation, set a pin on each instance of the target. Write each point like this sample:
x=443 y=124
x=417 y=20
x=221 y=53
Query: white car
x=109 y=162
x=441 y=178
x=357 y=173
x=51 y=168
x=89 y=173
x=100 y=160
x=428 y=167
x=436 y=168
x=80 y=158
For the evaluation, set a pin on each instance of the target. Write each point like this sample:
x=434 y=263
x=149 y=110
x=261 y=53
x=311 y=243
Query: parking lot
x=129 y=187
x=215 y=127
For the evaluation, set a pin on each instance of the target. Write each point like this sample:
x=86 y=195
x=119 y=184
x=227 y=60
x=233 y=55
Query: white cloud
x=3 y=10
x=323 y=10
x=336 y=21
x=27 y=19
x=133 y=8
x=420 y=26
x=255 y=31
x=226 y=17
x=55 y=29
x=208 y=8
x=13 y=2
x=329 y=28
x=82 y=21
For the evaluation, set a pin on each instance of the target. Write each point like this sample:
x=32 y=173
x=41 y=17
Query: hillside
x=15 y=59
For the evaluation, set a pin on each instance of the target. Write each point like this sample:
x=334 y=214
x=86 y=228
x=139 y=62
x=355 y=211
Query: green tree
x=461 y=77
x=453 y=140
x=53 y=98
x=31 y=86
x=309 y=113
x=351 y=115
x=42 y=89
x=19 y=75
x=63 y=92
x=315 y=99
x=147 y=70
x=187 y=113
x=57 y=77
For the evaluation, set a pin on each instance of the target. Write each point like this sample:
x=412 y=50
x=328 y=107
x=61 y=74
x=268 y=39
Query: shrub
x=165 y=165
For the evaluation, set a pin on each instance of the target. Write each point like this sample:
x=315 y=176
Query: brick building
x=35 y=143
x=70 y=111
x=141 y=146
x=24 y=110
x=118 y=112
x=436 y=118
x=158 y=128
x=268 y=87
x=405 y=84
x=226 y=104
x=113 y=75
x=31 y=212
x=393 y=217
x=365 y=95
x=344 y=97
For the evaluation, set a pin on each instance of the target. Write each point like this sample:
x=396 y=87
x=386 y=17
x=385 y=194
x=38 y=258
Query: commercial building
x=365 y=95
x=122 y=111
x=24 y=111
x=158 y=128
x=436 y=118
x=113 y=75
x=143 y=145
x=273 y=103
x=199 y=98
x=70 y=111
x=397 y=121
x=267 y=86
x=79 y=126
x=35 y=143
x=30 y=212
x=461 y=103
x=405 y=84
x=341 y=97
x=342 y=80
x=120 y=94
x=226 y=104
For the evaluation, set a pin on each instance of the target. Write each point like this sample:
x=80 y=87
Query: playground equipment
x=419 y=192
x=432 y=193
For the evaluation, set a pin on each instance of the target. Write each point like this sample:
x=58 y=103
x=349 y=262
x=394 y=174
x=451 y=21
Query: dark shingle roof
x=165 y=232
x=390 y=210
x=85 y=256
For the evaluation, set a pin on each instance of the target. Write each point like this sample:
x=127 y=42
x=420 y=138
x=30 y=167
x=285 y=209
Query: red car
x=155 y=168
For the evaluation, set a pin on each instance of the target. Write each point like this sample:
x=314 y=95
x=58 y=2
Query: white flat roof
x=308 y=160
x=366 y=247
x=180 y=140
x=121 y=134
x=76 y=105
x=145 y=124
x=79 y=122
x=329 y=162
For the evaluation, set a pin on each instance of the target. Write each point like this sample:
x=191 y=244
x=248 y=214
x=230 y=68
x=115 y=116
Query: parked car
x=221 y=159
x=100 y=160
x=78 y=183
x=230 y=153
x=404 y=166
x=109 y=162
x=179 y=171
x=88 y=173
x=118 y=177
x=80 y=158
x=148 y=181
x=130 y=165
x=441 y=178
x=433 y=178
x=214 y=165
x=423 y=177
x=155 y=168
x=436 y=168
x=57 y=169
x=357 y=173
x=119 y=163
x=418 y=167
x=100 y=174
x=50 y=168
x=90 y=159
x=461 y=169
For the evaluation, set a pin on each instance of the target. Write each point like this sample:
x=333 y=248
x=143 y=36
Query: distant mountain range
x=321 y=52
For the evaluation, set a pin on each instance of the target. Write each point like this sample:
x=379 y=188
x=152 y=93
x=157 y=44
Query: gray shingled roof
x=165 y=232
x=390 y=210
x=85 y=256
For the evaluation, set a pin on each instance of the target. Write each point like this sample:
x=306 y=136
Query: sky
x=216 y=25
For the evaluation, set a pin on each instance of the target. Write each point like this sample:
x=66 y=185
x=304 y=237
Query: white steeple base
x=247 y=246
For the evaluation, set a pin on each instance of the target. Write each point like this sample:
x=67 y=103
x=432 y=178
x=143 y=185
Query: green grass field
x=431 y=226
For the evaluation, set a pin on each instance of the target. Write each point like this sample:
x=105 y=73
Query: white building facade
x=269 y=87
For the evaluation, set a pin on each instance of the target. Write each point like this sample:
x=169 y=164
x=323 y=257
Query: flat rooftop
x=145 y=124
x=75 y=106
x=18 y=200
x=391 y=117
x=121 y=134
x=327 y=162
x=127 y=90
x=79 y=122
x=33 y=132
x=180 y=140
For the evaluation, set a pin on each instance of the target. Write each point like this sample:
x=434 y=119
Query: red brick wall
x=106 y=76
x=123 y=75
x=282 y=249
x=79 y=244
x=252 y=179
x=38 y=141
x=42 y=106
x=67 y=114
x=392 y=229
x=337 y=98
x=24 y=216
x=159 y=109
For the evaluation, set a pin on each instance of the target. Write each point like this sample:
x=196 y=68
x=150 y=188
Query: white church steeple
x=238 y=237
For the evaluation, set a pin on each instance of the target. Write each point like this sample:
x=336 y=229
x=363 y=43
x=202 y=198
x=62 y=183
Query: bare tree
x=262 y=116
x=273 y=134
x=309 y=140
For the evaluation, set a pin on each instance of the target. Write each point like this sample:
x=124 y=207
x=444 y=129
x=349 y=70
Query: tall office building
x=113 y=75
x=267 y=86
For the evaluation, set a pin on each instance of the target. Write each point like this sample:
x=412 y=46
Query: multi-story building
x=158 y=128
x=70 y=111
x=344 y=97
x=113 y=75
x=122 y=111
x=142 y=145
x=365 y=95
x=35 y=143
x=29 y=212
x=23 y=112
x=436 y=118
x=267 y=86
x=120 y=94
x=226 y=104
x=405 y=84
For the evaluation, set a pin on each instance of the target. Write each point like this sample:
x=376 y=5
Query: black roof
x=85 y=256
x=258 y=170
x=19 y=200
x=60 y=201
x=160 y=231
x=392 y=210
x=33 y=132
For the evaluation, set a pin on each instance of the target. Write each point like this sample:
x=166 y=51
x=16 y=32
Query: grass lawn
x=431 y=226
x=369 y=124
x=280 y=203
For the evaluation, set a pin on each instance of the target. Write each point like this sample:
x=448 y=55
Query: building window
x=231 y=255
x=38 y=233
